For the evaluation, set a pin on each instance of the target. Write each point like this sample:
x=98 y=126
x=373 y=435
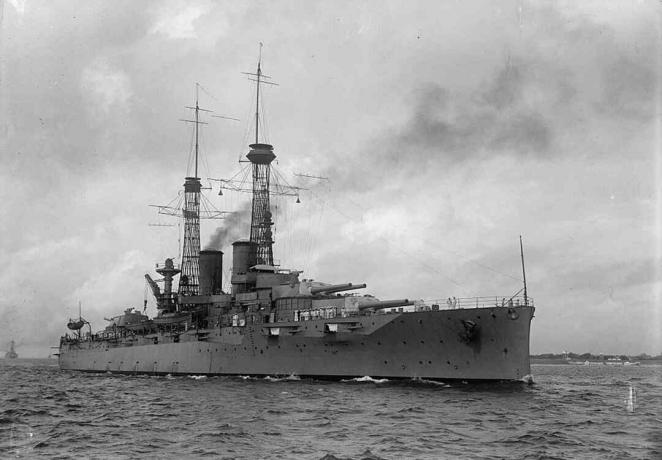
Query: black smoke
x=235 y=226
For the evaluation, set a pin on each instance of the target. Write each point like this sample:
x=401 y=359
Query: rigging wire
x=264 y=118
x=191 y=154
x=249 y=126
x=204 y=90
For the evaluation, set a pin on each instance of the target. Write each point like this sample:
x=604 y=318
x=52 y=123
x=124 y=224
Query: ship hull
x=467 y=344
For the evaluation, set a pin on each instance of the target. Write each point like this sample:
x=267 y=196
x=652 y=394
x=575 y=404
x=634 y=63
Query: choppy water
x=570 y=412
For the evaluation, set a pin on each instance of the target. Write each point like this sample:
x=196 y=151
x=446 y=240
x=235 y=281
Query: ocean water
x=569 y=412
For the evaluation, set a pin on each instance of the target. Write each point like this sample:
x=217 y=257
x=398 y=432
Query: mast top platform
x=261 y=154
x=192 y=184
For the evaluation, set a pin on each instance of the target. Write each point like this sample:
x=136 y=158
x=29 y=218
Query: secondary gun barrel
x=335 y=288
x=378 y=305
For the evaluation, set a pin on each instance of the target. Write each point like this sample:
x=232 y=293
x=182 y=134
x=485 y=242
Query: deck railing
x=451 y=303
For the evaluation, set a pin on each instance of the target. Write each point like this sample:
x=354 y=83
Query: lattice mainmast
x=192 y=206
x=261 y=156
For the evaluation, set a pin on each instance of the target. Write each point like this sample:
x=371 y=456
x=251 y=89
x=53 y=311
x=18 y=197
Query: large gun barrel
x=335 y=288
x=378 y=305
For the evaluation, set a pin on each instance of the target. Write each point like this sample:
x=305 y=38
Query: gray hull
x=425 y=344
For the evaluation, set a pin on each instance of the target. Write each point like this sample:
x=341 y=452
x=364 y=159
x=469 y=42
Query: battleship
x=11 y=354
x=273 y=322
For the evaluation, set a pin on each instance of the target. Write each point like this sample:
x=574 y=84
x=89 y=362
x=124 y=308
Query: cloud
x=447 y=125
x=102 y=290
x=629 y=88
x=178 y=20
x=19 y=6
x=107 y=87
x=549 y=90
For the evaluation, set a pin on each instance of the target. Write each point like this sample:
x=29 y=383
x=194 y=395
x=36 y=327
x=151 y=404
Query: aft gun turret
x=380 y=304
x=335 y=288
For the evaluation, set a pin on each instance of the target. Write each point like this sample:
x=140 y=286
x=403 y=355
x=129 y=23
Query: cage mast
x=189 y=279
x=261 y=155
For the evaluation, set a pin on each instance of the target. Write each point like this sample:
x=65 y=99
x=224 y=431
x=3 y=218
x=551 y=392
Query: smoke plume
x=235 y=226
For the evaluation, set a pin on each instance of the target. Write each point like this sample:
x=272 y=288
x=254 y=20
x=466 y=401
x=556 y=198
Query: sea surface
x=568 y=412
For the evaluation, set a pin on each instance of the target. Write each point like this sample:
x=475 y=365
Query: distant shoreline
x=579 y=362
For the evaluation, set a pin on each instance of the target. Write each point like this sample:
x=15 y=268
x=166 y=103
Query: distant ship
x=273 y=322
x=11 y=354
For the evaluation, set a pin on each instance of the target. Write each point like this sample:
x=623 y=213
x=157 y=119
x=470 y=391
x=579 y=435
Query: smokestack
x=211 y=272
x=243 y=256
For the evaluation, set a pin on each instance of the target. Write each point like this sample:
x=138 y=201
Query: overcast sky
x=446 y=129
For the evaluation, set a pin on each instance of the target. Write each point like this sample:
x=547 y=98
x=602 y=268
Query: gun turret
x=378 y=305
x=335 y=288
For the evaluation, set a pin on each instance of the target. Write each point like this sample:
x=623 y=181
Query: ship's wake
x=291 y=377
x=528 y=378
x=420 y=381
x=365 y=379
